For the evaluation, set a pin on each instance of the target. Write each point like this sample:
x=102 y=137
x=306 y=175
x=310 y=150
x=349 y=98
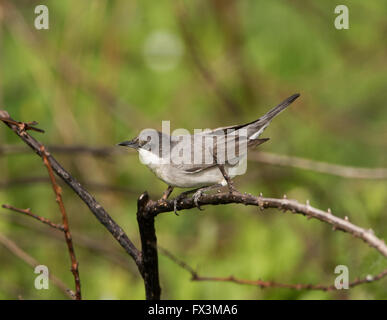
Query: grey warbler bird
x=204 y=160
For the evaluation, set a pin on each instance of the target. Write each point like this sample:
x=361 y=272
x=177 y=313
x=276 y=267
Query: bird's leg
x=230 y=183
x=180 y=197
x=167 y=193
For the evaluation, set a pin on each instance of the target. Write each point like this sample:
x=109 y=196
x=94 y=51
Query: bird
x=162 y=154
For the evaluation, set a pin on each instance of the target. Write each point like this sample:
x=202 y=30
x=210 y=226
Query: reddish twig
x=266 y=284
x=29 y=213
x=23 y=126
x=58 y=193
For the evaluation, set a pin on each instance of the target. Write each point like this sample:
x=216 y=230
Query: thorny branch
x=368 y=236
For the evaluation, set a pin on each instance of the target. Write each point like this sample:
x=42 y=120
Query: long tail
x=276 y=110
x=256 y=127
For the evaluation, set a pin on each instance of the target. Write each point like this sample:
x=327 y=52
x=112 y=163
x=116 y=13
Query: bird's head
x=148 y=139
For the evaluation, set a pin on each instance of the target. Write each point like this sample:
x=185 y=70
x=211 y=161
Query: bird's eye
x=145 y=145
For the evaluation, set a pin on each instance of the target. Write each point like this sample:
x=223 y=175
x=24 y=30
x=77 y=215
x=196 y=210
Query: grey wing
x=224 y=145
x=210 y=150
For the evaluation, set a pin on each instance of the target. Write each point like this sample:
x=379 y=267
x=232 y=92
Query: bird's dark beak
x=131 y=144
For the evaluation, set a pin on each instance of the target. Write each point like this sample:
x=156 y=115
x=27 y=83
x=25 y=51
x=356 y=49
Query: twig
x=266 y=284
x=323 y=167
x=23 y=126
x=65 y=223
x=29 y=213
x=21 y=254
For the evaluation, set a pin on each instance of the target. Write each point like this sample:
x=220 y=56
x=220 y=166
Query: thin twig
x=23 y=126
x=66 y=229
x=29 y=213
x=319 y=166
x=21 y=254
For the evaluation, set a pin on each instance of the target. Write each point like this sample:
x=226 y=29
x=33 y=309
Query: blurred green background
x=107 y=69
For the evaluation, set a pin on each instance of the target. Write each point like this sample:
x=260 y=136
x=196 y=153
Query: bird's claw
x=196 y=196
x=176 y=200
x=175 y=207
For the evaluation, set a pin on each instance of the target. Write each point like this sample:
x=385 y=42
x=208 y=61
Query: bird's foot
x=196 y=196
x=175 y=207
x=180 y=197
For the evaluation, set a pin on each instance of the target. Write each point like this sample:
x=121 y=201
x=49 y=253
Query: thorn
x=260 y=194
x=285 y=197
x=346 y=218
x=329 y=211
